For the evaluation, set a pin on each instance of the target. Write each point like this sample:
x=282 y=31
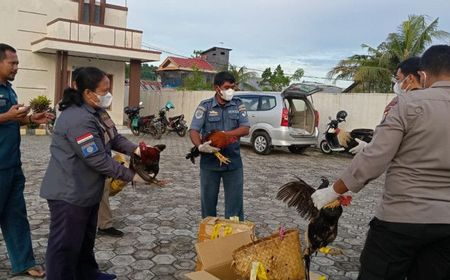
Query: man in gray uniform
x=410 y=234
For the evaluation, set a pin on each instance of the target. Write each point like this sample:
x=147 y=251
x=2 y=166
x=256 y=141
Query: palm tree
x=412 y=38
x=372 y=71
x=242 y=77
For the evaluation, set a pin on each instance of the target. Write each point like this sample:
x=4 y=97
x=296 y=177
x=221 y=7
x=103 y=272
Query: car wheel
x=261 y=143
x=297 y=149
x=325 y=148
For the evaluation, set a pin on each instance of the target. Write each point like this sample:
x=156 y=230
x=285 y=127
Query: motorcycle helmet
x=340 y=116
x=169 y=105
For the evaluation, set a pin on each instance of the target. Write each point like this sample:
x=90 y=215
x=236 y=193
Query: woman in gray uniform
x=73 y=183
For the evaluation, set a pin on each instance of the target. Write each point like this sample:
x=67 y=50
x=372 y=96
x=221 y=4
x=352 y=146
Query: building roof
x=215 y=48
x=178 y=63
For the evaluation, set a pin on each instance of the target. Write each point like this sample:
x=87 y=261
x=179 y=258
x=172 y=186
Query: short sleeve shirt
x=9 y=131
x=211 y=116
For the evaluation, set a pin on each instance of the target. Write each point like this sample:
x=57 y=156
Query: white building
x=53 y=37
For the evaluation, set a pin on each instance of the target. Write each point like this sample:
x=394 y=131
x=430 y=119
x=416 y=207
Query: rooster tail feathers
x=193 y=154
x=325 y=183
x=298 y=194
x=160 y=147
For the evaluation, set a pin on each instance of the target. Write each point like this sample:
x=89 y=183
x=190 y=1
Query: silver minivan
x=286 y=119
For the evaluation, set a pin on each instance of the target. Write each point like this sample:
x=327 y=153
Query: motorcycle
x=337 y=140
x=174 y=124
x=146 y=125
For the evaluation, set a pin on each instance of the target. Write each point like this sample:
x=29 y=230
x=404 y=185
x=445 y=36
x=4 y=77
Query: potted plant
x=39 y=104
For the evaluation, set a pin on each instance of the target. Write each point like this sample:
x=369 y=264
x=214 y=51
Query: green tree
x=148 y=72
x=372 y=71
x=298 y=74
x=274 y=81
x=196 y=53
x=413 y=37
x=243 y=77
x=195 y=81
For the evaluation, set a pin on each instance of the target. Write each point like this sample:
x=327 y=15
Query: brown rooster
x=323 y=223
x=219 y=139
x=147 y=164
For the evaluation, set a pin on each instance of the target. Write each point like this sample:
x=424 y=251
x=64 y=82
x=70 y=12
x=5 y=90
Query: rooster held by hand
x=220 y=140
x=323 y=223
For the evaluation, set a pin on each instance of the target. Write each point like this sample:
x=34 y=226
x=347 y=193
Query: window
x=250 y=102
x=295 y=105
x=92 y=11
x=267 y=103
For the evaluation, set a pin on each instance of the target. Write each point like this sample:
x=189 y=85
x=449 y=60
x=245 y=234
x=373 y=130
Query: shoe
x=104 y=276
x=32 y=272
x=111 y=232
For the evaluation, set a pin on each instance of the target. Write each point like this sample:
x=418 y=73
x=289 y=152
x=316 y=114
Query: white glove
x=137 y=151
x=322 y=197
x=138 y=179
x=207 y=148
x=359 y=147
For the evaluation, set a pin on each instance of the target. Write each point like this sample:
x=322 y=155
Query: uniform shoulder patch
x=199 y=112
x=89 y=149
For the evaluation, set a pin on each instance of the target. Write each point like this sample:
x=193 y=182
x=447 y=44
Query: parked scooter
x=337 y=140
x=174 y=124
x=146 y=125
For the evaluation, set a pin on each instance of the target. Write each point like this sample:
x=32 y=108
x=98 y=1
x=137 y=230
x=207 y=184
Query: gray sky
x=313 y=35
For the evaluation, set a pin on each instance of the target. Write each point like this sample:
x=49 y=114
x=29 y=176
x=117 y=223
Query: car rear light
x=316 y=118
x=285 y=117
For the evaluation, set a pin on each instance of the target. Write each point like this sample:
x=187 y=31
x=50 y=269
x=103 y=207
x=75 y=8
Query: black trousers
x=70 y=251
x=398 y=251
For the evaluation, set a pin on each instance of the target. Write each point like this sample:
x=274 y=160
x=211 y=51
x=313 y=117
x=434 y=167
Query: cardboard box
x=208 y=224
x=217 y=257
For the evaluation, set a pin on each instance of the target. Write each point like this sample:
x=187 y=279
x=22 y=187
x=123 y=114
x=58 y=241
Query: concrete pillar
x=135 y=83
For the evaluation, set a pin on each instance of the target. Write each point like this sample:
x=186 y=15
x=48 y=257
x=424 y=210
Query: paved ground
x=161 y=224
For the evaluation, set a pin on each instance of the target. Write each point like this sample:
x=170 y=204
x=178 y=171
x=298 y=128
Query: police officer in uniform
x=410 y=234
x=223 y=112
x=13 y=213
x=74 y=181
x=406 y=80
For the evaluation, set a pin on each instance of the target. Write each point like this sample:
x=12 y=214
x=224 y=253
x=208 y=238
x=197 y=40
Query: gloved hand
x=207 y=148
x=359 y=147
x=138 y=179
x=137 y=151
x=322 y=197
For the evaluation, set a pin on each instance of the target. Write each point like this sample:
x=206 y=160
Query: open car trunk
x=301 y=116
x=301 y=112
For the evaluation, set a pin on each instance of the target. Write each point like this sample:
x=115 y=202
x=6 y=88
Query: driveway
x=161 y=225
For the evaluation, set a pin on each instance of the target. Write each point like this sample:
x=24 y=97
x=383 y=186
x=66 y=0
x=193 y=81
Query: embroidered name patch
x=89 y=149
x=84 y=138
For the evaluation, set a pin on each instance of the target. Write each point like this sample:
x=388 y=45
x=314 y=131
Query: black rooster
x=323 y=223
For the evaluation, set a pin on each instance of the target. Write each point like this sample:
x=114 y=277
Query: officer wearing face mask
x=223 y=112
x=73 y=184
x=409 y=237
x=406 y=79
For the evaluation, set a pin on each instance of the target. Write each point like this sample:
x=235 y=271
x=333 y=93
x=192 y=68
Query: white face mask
x=104 y=101
x=227 y=94
x=398 y=88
